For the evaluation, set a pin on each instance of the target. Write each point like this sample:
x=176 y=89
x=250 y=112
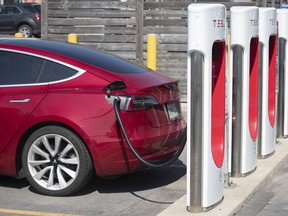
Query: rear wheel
x=56 y=162
x=26 y=30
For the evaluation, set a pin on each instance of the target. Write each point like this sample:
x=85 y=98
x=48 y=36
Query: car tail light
x=37 y=16
x=134 y=102
x=140 y=102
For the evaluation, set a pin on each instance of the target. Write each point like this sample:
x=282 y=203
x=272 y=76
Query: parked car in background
x=58 y=116
x=23 y=18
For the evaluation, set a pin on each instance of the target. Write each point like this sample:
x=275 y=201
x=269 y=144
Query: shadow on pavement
x=138 y=181
x=13 y=183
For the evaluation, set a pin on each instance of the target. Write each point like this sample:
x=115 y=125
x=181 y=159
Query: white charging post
x=267 y=82
x=244 y=90
x=206 y=105
x=282 y=108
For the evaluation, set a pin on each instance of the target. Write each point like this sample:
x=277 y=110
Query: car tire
x=56 y=162
x=26 y=30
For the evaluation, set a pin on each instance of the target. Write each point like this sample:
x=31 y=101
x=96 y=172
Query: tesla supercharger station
x=267 y=82
x=282 y=108
x=206 y=105
x=244 y=89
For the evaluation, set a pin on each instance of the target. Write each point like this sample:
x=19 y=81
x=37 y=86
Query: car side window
x=53 y=71
x=1 y=10
x=12 y=10
x=17 y=68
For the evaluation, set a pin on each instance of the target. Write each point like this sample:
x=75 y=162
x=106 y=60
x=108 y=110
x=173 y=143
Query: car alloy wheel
x=56 y=162
x=26 y=30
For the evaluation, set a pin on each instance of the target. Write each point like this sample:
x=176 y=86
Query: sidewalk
x=245 y=187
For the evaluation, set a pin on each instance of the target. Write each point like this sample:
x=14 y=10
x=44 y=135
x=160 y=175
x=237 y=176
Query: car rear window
x=38 y=8
x=32 y=8
x=53 y=72
x=99 y=59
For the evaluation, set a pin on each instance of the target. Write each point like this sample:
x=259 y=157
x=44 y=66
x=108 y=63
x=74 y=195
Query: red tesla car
x=67 y=111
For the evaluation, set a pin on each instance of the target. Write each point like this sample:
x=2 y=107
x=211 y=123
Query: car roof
x=83 y=54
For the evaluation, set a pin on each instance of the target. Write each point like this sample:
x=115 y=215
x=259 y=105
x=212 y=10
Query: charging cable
x=116 y=104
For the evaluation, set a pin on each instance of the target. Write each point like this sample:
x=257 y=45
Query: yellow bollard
x=19 y=35
x=151 y=51
x=72 y=38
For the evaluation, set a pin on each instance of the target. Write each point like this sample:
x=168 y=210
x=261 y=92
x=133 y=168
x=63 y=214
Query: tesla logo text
x=254 y=22
x=219 y=23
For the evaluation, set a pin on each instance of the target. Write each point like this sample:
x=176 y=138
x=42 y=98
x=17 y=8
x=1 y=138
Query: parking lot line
x=20 y=212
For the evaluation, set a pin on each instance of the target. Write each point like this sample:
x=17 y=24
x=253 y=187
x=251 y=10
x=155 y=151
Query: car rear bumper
x=115 y=157
x=36 y=29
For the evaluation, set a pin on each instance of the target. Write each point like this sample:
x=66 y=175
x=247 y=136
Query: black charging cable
x=116 y=104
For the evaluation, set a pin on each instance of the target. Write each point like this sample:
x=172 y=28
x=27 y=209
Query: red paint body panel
x=14 y=112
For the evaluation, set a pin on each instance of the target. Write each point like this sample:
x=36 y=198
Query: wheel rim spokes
x=25 y=32
x=53 y=162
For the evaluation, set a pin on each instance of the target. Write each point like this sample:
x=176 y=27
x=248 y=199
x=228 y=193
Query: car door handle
x=20 y=101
